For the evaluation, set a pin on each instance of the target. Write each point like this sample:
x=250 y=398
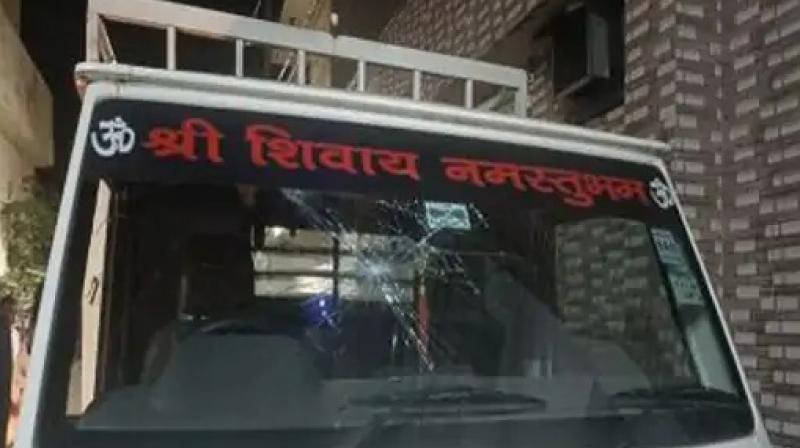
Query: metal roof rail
x=175 y=18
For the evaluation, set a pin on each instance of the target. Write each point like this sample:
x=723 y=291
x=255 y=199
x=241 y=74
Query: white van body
x=564 y=387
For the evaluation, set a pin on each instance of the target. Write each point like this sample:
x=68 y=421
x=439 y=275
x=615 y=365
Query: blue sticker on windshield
x=681 y=279
x=446 y=215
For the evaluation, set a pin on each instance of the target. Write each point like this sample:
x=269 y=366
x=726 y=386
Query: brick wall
x=719 y=80
x=760 y=185
x=602 y=260
x=466 y=28
x=673 y=76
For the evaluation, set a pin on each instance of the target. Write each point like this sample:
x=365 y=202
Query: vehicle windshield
x=325 y=284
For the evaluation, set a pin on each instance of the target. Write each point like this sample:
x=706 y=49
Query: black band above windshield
x=168 y=143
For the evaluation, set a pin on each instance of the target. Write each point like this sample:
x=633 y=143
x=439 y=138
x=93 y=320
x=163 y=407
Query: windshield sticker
x=114 y=137
x=682 y=280
x=293 y=154
x=668 y=249
x=685 y=288
x=234 y=146
x=273 y=145
x=445 y=215
x=167 y=142
x=661 y=193
x=576 y=188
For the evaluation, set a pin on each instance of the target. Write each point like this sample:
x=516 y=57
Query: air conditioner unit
x=581 y=49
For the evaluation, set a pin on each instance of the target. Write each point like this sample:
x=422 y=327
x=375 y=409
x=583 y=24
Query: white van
x=251 y=263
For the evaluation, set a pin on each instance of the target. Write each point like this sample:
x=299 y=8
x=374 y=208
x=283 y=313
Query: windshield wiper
x=461 y=398
x=672 y=396
x=438 y=402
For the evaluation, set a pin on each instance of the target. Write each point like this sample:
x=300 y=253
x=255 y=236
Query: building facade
x=26 y=139
x=718 y=80
x=26 y=143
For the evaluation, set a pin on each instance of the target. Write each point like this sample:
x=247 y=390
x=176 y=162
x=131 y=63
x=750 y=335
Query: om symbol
x=661 y=194
x=115 y=137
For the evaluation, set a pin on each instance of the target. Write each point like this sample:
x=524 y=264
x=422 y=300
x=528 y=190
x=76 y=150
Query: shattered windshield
x=388 y=296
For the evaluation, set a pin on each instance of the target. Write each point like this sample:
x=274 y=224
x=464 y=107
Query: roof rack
x=242 y=31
